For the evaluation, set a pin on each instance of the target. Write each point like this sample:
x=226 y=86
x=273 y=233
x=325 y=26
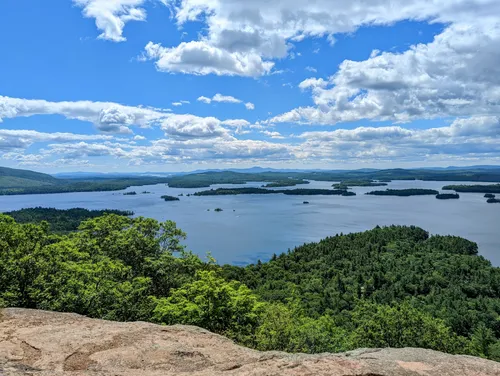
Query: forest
x=262 y=191
x=493 y=188
x=206 y=179
x=285 y=183
x=346 y=184
x=394 y=286
x=448 y=196
x=169 y=198
x=404 y=192
x=61 y=221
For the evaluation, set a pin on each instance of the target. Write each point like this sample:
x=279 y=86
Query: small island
x=448 y=196
x=493 y=201
x=262 y=191
x=170 y=198
x=218 y=210
x=405 y=192
x=345 y=184
x=285 y=183
x=489 y=195
x=477 y=188
x=132 y=193
x=146 y=193
x=306 y=202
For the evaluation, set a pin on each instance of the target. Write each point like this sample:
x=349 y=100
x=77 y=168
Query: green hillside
x=15 y=178
x=20 y=182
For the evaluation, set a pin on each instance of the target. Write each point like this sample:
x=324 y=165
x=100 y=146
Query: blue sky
x=170 y=85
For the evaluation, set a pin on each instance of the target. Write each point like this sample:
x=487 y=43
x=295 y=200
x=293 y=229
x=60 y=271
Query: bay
x=253 y=227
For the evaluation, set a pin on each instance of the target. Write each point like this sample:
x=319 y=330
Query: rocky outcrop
x=48 y=343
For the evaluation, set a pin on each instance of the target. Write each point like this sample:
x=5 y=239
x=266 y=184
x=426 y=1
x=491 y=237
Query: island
x=169 y=198
x=262 y=191
x=405 y=192
x=489 y=195
x=448 y=196
x=306 y=202
x=285 y=183
x=493 y=201
x=476 y=188
x=218 y=210
x=132 y=193
x=345 y=184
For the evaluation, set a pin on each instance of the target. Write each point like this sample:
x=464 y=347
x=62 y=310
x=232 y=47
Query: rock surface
x=48 y=343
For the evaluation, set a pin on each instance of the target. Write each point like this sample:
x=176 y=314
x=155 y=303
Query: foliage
x=285 y=183
x=61 y=221
x=345 y=184
x=262 y=191
x=448 y=196
x=393 y=286
x=493 y=201
x=206 y=179
x=478 y=188
x=227 y=308
x=170 y=198
x=404 y=192
x=489 y=195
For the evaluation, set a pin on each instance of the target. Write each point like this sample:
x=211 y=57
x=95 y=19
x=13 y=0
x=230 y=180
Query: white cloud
x=455 y=75
x=115 y=118
x=201 y=58
x=225 y=98
x=311 y=69
x=21 y=139
x=176 y=104
x=236 y=123
x=139 y=138
x=273 y=134
x=112 y=15
x=204 y=99
x=190 y=126
x=262 y=31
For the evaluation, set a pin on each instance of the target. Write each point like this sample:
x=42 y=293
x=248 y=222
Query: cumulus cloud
x=21 y=139
x=225 y=99
x=112 y=15
x=239 y=31
x=115 y=118
x=457 y=74
x=202 y=58
x=273 y=134
x=464 y=137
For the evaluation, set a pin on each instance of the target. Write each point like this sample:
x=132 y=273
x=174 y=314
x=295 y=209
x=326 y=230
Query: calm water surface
x=256 y=226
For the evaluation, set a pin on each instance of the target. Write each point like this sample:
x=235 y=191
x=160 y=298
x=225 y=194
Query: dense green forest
x=357 y=183
x=206 y=179
x=405 y=192
x=263 y=191
x=285 y=183
x=448 y=196
x=61 y=220
x=493 y=188
x=170 y=198
x=393 y=286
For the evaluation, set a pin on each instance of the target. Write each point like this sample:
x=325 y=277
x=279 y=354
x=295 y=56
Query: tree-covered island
x=477 y=188
x=405 y=192
x=263 y=191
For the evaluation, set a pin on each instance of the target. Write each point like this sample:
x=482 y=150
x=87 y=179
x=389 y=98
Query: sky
x=181 y=85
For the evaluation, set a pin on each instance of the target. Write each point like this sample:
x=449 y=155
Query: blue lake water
x=252 y=227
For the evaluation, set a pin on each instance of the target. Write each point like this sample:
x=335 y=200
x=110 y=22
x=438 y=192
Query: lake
x=252 y=227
